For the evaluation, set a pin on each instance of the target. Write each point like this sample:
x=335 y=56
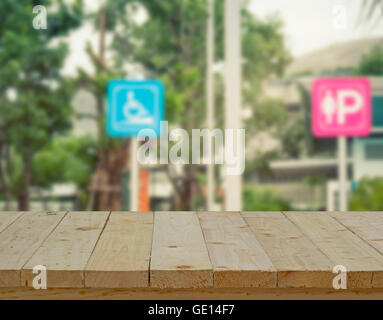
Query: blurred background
x=55 y=153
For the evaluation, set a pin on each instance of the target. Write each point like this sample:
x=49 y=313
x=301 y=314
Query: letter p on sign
x=341 y=107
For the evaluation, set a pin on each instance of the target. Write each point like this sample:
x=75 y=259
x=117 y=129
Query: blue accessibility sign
x=134 y=106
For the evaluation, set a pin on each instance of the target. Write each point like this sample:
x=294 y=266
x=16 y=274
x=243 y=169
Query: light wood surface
x=121 y=258
x=179 y=255
x=20 y=240
x=237 y=257
x=298 y=261
x=369 y=227
x=342 y=247
x=129 y=254
x=7 y=218
x=67 y=250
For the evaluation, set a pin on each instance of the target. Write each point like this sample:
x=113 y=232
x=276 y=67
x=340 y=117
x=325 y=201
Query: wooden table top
x=191 y=249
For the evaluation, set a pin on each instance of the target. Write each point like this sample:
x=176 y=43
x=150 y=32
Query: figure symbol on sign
x=331 y=106
x=135 y=112
x=328 y=107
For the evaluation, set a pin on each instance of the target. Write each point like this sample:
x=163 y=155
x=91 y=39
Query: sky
x=314 y=24
x=308 y=25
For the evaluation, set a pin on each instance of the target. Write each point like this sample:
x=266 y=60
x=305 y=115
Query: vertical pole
x=233 y=184
x=134 y=175
x=210 y=100
x=342 y=173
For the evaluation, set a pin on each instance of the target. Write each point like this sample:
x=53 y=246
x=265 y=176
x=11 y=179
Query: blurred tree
x=371 y=64
x=75 y=156
x=293 y=136
x=368 y=195
x=112 y=154
x=270 y=114
x=259 y=168
x=170 y=44
x=263 y=200
x=34 y=96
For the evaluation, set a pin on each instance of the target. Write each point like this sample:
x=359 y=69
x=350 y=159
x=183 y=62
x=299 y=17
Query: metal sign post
x=233 y=183
x=134 y=183
x=134 y=106
x=210 y=100
x=341 y=108
x=342 y=173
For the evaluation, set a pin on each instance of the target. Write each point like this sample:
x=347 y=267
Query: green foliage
x=263 y=200
x=268 y=114
x=368 y=195
x=31 y=63
x=260 y=166
x=264 y=53
x=170 y=45
x=66 y=159
x=292 y=138
x=314 y=180
x=372 y=63
x=31 y=68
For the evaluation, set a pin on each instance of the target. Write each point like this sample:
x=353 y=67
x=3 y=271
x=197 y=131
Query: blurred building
x=290 y=178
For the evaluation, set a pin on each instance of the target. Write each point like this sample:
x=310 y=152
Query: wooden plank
x=20 y=240
x=187 y=294
x=299 y=262
x=342 y=247
x=237 y=258
x=67 y=250
x=7 y=218
x=369 y=227
x=122 y=255
x=179 y=255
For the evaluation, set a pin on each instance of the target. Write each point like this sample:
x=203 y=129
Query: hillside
x=339 y=55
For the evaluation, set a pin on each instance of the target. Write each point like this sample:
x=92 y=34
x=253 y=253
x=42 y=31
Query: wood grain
x=299 y=262
x=190 y=294
x=190 y=251
x=369 y=227
x=7 y=218
x=341 y=246
x=179 y=255
x=67 y=250
x=237 y=258
x=122 y=255
x=20 y=240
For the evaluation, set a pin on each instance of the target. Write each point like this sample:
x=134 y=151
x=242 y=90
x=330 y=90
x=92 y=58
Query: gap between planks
x=122 y=254
x=66 y=251
x=363 y=263
x=21 y=240
x=179 y=255
x=359 y=278
x=300 y=264
x=238 y=259
x=368 y=230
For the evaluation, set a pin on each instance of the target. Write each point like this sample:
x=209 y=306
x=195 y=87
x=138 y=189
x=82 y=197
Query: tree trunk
x=23 y=196
x=186 y=197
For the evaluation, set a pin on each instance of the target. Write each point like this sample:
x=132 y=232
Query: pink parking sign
x=341 y=107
